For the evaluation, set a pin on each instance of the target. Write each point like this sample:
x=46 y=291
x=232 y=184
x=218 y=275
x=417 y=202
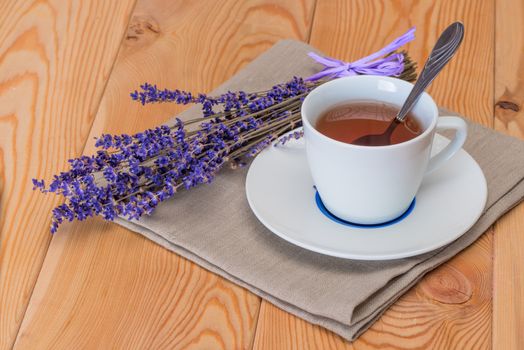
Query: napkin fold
x=213 y=226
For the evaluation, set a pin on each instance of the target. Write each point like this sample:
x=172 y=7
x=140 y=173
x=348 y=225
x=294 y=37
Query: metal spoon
x=446 y=46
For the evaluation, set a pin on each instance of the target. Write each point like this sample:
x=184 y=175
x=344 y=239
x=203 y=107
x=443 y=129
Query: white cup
x=373 y=184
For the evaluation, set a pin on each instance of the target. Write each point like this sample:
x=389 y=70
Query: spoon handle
x=446 y=46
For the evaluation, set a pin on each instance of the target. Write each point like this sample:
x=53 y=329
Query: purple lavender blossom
x=131 y=174
x=230 y=101
x=286 y=138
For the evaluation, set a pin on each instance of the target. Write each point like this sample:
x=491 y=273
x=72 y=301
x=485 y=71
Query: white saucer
x=280 y=192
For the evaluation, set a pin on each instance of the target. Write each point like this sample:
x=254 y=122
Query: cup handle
x=461 y=131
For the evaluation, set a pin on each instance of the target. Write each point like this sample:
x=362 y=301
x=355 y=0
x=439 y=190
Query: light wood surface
x=508 y=239
x=448 y=309
x=55 y=58
x=132 y=292
x=101 y=286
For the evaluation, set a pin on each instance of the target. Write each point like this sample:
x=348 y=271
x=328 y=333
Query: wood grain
x=278 y=329
x=451 y=307
x=443 y=311
x=55 y=58
x=508 y=253
x=103 y=286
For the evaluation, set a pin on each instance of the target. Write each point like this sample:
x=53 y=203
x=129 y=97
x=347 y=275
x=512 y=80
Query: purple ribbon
x=391 y=65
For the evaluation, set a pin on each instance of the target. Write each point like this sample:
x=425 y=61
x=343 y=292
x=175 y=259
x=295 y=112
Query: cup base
x=338 y=220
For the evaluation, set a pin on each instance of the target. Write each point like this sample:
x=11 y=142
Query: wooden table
x=66 y=70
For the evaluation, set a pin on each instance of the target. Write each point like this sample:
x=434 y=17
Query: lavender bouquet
x=131 y=174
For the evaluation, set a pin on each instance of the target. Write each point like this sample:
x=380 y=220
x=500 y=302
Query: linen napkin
x=213 y=226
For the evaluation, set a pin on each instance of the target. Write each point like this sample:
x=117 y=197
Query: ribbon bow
x=390 y=65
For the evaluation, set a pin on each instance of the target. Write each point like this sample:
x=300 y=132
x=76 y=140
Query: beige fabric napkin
x=213 y=226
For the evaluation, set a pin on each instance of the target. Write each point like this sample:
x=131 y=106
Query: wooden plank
x=508 y=255
x=55 y=59
x=278 y=329
x=103 y=286
x=451 y=307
